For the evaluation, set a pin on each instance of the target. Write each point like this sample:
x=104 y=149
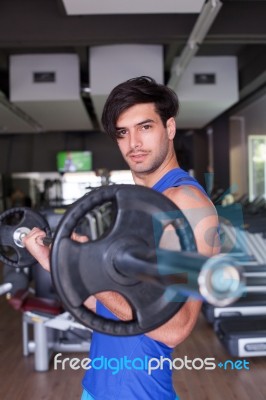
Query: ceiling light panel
x=96 y=7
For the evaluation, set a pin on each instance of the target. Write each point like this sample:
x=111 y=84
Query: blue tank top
x=119 y=366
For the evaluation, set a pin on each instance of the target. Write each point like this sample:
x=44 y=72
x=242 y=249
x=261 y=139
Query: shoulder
x=187 y=196
x=201 y=215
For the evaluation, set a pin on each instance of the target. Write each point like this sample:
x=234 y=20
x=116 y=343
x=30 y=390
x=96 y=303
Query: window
x=257 y=166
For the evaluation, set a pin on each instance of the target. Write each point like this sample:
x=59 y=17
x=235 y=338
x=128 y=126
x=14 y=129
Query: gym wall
x=221 y=131
x=37 y=152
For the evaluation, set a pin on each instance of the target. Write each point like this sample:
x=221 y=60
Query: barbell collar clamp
x=221 y=281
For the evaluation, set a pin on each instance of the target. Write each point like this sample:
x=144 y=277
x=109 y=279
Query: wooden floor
x=217 y=384
x=19 y=381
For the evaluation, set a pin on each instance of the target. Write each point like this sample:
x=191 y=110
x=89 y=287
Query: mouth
x=138 y=156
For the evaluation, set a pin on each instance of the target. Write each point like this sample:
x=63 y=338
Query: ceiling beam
x=204 y=21
x=42 y=23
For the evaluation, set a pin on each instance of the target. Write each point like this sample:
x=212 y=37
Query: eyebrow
x=145 y=122
x=138 y=124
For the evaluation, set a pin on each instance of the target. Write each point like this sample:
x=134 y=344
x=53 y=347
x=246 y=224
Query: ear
x=171 y=128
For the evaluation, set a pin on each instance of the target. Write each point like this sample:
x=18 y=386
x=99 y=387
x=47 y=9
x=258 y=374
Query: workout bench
x=49 y=322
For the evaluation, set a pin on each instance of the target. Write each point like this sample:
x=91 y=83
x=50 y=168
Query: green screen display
x=74 y=161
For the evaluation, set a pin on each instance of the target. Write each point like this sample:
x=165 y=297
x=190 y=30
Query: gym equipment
x=253 y=301
x=15 y=223
x=140 y=213
x=250 y=305
x=256 y=205
x=127 y=259
x=5 y=288
x=52 y=332
x=241 y=327
x=243 y=337
x=46 y=328
x=14 y=280
x=249 y=246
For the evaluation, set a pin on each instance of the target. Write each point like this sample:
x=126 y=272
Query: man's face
x=142 y=139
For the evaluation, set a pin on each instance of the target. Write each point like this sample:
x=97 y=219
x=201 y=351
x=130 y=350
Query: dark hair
x=138 y=90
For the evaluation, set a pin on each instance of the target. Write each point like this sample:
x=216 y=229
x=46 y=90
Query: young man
x=140 y=116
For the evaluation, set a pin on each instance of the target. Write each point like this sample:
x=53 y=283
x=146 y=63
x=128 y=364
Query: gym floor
x=19 y=381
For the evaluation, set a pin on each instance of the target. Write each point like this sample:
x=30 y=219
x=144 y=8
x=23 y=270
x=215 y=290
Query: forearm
x=178 y=328
x=117 y=304
x=171 y=333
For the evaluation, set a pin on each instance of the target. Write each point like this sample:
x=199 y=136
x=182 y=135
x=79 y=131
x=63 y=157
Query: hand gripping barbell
x=127 y=259
x=15 y=223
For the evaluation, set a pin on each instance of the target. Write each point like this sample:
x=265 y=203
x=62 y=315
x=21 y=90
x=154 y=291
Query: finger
x=31 y=236
x=39 y=240
x=79 y=238
x=36 y=230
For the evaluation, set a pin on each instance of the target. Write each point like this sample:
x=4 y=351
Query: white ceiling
x=239 y=30
x=56 y=104
x=93 y=7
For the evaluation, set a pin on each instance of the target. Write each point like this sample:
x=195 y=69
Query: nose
x=135 y=140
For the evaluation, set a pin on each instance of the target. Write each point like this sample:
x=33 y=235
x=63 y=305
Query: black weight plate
x=83 y=269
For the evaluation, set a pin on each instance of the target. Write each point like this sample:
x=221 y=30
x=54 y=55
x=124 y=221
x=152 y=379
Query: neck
x=149 y=179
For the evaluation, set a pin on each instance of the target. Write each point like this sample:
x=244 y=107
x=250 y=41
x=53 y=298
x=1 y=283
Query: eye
x=145 y=127
x=121 y=133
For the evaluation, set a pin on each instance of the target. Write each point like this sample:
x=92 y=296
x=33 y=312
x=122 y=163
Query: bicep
x=206 y=236
x=201 y=215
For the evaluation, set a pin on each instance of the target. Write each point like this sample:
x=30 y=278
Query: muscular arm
x=203 y=219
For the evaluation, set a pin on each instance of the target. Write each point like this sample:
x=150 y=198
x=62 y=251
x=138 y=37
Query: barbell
x=127 y=259
x=15 y=223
